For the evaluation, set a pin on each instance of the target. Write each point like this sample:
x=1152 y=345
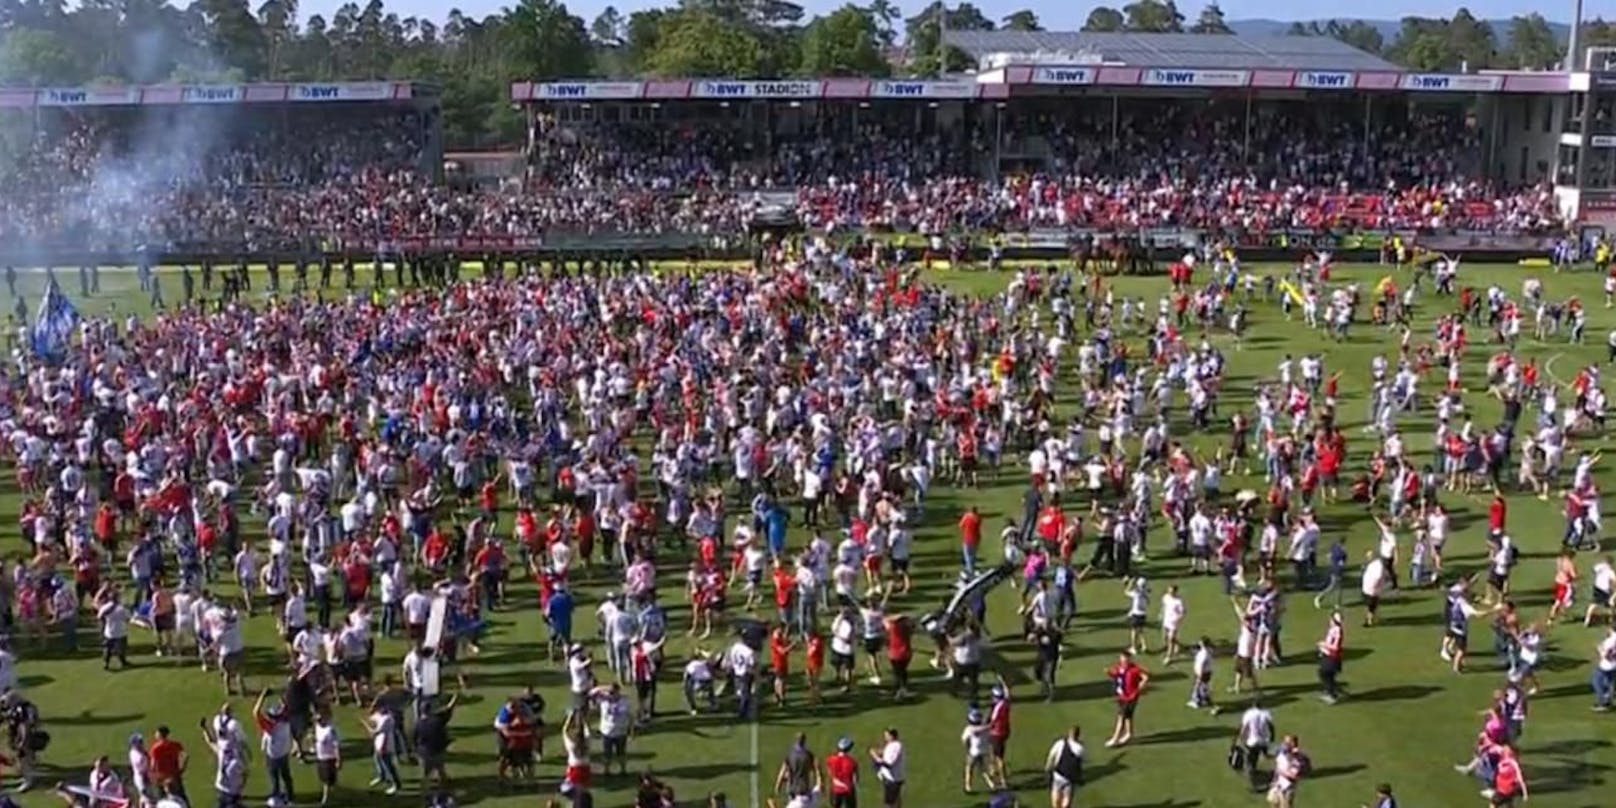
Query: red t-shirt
x=970 y=526
x=843 y=770
x=898 y=646
x=1130 y=679
x=165 y=759
x=816 y=652
x=784 y=583
x=780 y=653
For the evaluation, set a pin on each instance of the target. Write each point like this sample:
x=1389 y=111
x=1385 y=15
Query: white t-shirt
x=975 y=737
x=1172 y=611
x=327 y=744
x=381 y=730
x=1256 y=726
x=114 y=621
x=892 y=757
x=742 y=660
x=1373 y=575
x=1607 y=653
x=580 y=674
x=614 y=717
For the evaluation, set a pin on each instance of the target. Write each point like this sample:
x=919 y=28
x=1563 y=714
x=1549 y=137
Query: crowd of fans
x=193 y=177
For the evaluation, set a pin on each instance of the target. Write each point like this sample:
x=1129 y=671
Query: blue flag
x=53 y=326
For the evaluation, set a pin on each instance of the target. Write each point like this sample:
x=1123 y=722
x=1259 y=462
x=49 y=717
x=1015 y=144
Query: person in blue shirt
x=1338 y=573
x=774 y=527
x=558 y=616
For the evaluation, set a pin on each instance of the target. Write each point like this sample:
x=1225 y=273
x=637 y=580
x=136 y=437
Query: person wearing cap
x=580 y=676
x=843 y=771
x=978 y=746
x=998 y=720
x=140 y=771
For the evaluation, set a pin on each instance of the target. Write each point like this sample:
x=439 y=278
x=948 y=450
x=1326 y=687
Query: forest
x=473 y=60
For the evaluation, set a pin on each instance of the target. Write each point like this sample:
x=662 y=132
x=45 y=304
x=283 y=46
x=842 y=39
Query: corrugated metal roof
x=1229 y=52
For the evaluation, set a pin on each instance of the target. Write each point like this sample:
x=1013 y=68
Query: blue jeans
x=280 y=777
x=1604 y=683
x=969 y=554
x=387 y=769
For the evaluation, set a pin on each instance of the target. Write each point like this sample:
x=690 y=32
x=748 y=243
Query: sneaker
x=1192 y=705
x=391 y=790
x=375 y=781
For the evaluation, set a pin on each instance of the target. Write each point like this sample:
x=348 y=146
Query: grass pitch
x=1406 y=721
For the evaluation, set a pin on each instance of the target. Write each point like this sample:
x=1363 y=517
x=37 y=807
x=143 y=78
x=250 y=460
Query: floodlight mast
x=1573 y=58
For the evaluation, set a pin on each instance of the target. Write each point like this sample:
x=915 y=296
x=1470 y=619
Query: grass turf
x=1406 y=720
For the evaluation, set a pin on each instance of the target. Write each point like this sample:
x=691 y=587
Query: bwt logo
x=1063 y=76
x=566 y=91
x=1429 y=82
x=1325 y=79
x=211 y=94
x=319 y=93
x=1175 y=77
x=68 y=96
x=729 y=89
x=905 y=89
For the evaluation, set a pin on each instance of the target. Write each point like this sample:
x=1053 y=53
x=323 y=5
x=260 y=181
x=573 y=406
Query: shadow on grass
x=1395 y=693
x=87 y=719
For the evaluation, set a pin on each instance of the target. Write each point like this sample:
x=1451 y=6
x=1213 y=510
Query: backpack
x=1237 y=757
x=1304 y=764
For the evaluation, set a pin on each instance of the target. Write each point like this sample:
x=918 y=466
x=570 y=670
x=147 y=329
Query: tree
x=1358 y=34
x=1472 y=40
x=925 y=37
x=278 y=19
x=1153 y=16
x=1023 y=20
x=1532 y=44
x=34 y=57
x=640 y=37
x=1104 y=19
x=845 y=42
x=608 y=28
x=1211 y=21
x=702 y=44
x=1422 y=43
x=547 y=41
x=234 y=35
x=886 y=15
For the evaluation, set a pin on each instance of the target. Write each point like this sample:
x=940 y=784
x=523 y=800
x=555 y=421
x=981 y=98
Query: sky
x=1056 y=16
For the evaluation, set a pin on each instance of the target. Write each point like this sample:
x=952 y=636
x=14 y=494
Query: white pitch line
x=1548 y=367
x=756 y=802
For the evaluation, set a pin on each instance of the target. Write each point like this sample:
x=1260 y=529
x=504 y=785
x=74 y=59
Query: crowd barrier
x=1160 y=246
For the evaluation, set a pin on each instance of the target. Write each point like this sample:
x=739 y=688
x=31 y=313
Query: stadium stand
x=1054 y=133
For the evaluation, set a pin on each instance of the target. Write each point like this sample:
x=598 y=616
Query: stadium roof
x=1229 y=52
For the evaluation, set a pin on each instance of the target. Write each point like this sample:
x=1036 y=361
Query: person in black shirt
x=1047 y=637
x=432 y=740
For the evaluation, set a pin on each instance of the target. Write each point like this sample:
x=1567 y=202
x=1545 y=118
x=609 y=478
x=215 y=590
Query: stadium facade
x=243 y=102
